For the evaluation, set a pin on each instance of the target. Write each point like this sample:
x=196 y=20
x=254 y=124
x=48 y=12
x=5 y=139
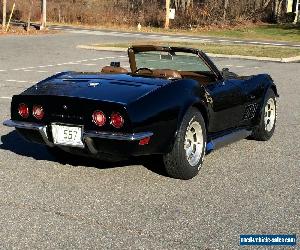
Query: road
x=172 y=37
x=246 y=188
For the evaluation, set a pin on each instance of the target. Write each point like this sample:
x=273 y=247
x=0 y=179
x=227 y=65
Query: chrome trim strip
x=117 y=136
x=89 y=134
x=32 y=126
x=43 y=132
x=22 y=125
x=90 y=144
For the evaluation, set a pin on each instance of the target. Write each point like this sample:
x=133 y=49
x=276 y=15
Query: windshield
x=179 y=61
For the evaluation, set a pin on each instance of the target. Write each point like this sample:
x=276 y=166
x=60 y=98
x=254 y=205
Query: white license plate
x=67 y=135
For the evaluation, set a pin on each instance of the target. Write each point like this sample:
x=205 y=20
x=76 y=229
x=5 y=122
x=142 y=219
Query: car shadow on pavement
x=15 y=143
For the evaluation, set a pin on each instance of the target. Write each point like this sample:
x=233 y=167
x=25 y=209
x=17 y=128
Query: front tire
x=186 y=157
x=267 y=124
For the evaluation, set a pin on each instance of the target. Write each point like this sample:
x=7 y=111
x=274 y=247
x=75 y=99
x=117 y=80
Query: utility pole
x=4 y=15
x=167 y=23
x=44 y=14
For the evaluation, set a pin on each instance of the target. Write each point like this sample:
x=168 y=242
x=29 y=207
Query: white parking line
x=240 y=66
x=69 y=63
x=3 y=70
x=5 y=97
x=17 y=81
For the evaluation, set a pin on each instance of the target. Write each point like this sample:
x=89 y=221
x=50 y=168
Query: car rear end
x=78 y=125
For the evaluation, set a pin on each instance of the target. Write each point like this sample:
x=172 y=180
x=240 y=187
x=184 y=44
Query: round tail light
x=99 y=118
x=117 y=120
x=23 y=110
x=38 y=112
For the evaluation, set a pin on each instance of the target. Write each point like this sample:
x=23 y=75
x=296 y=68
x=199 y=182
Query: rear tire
x=265 y=130
x=186 y=157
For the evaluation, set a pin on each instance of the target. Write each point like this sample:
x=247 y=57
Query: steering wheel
x=147 y=69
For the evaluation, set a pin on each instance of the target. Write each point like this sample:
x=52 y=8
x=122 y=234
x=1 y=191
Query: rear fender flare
x=198 y=103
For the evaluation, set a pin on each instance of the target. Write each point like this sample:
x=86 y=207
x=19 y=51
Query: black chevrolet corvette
x=174 y=102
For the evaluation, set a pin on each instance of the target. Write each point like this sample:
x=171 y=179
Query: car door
x=227 y=103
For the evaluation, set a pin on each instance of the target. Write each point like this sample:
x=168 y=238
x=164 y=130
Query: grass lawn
x=263 y=32
x=245 y=50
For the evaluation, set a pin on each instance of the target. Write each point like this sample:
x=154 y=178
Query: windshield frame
x=132 y=51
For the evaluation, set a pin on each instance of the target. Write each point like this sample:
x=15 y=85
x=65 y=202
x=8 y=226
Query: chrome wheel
x=193 y=144
x=270 y=114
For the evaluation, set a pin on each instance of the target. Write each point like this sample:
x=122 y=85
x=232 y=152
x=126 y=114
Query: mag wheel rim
x=270 y=114
x=193 y=143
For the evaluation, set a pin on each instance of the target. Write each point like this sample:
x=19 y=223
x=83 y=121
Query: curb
x=295 y=59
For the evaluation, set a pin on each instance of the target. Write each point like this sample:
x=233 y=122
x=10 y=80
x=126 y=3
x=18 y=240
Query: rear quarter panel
x=162 y=111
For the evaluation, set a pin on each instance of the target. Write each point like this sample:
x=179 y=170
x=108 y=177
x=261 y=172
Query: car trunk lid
x=118 y=88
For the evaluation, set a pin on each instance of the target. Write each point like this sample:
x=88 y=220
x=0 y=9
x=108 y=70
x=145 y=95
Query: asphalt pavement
x=172 y=37
x=248 y=187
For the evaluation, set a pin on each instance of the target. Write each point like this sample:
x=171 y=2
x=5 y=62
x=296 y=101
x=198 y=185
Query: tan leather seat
x=167 y=73
x=196 y=76
x=113 y=70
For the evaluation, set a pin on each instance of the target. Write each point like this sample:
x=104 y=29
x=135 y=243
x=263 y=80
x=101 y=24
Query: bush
x=289 y=17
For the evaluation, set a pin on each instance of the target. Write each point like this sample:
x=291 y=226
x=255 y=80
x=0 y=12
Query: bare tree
x=29 y=15
x=4 y=15
x=167 y=23
x=44 y=14
x=226 y=3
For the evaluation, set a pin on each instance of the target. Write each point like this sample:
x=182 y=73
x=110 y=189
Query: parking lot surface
x=248 y=187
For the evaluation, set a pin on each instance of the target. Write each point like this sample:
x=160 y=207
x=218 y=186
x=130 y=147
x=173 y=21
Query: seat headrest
x=167 y=73
x=113 y=70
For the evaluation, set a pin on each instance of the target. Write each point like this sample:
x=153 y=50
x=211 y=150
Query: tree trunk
x=4 y=15
x=277 y=9
x=226 y=3
x=29 y=16
x=167 y=23
x=44 y=14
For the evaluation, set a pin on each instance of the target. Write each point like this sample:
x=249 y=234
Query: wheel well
x=273 y=87
x=203 y=112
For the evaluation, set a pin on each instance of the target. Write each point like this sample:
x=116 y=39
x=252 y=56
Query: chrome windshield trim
x=117 y=136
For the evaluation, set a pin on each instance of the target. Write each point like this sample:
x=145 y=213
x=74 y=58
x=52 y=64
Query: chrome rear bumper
x=87 y=135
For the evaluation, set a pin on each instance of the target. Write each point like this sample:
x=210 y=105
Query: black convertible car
x=174 y=102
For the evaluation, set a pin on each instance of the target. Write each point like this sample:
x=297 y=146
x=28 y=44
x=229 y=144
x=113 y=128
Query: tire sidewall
x=193 y=115
x=268 y=134
x=176 y=162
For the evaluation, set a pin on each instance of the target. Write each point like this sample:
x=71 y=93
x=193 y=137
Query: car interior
x=202 y=77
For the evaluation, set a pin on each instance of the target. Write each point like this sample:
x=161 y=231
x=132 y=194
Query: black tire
x=261 y=133
x=176 y=162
